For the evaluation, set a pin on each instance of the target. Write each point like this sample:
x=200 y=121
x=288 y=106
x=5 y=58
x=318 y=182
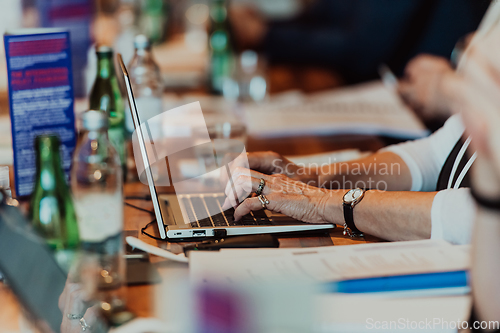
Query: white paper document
x=333 y=263
x=328 y=157
x=364 y=109
x=363 y=313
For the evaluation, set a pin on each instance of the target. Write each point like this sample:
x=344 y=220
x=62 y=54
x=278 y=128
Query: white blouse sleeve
x=426 y=157
x=452 y=216
x=453 y=210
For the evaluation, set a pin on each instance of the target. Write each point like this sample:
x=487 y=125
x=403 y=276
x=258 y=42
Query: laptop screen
x=176 y=151
x=30 y=269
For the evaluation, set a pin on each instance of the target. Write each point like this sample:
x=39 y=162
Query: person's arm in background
x=384 y=168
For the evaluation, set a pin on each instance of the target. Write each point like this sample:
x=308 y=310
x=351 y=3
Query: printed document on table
x=363 y=109
x=333 y=263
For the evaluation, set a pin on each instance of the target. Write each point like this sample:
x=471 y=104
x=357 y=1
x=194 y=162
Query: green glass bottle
x=52 y=210
x=106 y=96
x=221 y=62
x=153 y=19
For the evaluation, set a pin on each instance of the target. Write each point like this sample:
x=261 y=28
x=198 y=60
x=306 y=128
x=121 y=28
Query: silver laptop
x=200 y=215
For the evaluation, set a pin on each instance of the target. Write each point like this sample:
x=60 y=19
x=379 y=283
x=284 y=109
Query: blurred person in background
x=421 y=88
x=354 y=37
x=477 y=92
x=427 y=195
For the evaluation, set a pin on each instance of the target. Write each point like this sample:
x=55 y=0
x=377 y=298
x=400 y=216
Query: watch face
x=352 y=195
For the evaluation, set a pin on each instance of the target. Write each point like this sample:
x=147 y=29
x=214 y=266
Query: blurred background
x=253 y=65
x=299 y=44
x=245 y=50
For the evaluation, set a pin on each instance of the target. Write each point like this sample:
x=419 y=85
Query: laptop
x=190 y=216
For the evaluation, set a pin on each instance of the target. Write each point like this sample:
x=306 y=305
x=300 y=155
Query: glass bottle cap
x=141 y=42
x=104 y=49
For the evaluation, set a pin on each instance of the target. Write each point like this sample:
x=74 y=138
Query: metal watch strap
x=349 y=226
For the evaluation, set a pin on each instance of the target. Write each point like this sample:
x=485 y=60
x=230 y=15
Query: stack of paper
x=347 y=312
x=364 y=109
x=362 y=266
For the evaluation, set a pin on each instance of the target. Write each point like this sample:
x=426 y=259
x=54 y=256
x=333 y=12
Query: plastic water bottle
x=146 y=84
x=96 y=182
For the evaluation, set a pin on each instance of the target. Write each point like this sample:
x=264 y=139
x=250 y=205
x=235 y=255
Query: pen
x=388 y=78
x=453 y=279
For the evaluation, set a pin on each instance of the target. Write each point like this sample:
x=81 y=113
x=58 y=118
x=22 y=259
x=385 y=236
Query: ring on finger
x=84 y=325
x=261 y=186
x=72 y=316
x=263 y=201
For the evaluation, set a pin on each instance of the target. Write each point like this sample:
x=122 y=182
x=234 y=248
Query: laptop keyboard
x=198 y=206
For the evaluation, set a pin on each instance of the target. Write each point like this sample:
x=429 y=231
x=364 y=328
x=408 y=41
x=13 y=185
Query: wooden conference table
x=141 y=298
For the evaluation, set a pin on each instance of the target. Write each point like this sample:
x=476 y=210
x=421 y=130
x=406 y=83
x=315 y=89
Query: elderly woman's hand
x=287 y=196
x=74 y=304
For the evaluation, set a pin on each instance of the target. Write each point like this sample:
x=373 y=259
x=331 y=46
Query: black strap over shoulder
x=444 y=176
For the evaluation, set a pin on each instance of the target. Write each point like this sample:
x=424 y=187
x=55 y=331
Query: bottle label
x=41 y=98
x=100 y=216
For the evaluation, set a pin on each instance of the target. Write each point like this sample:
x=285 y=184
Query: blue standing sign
x=40 y=96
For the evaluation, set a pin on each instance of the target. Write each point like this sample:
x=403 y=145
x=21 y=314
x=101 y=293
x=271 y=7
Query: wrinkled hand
x=75 y=300
x=287 y=196
x=421 y=86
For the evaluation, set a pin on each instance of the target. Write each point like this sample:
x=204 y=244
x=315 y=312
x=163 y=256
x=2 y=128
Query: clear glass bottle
x=96 y=182
x=146 y=83
x=106 y=96
x=52 y=211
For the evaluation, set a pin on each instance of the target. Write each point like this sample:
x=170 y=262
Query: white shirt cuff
x=452 y=216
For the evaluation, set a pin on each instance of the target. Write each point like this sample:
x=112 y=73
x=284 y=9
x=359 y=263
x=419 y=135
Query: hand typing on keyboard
x=287 y=196
x=197 y=207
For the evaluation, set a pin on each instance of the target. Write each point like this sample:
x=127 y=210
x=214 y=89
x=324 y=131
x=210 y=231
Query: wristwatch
x=349 y=201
